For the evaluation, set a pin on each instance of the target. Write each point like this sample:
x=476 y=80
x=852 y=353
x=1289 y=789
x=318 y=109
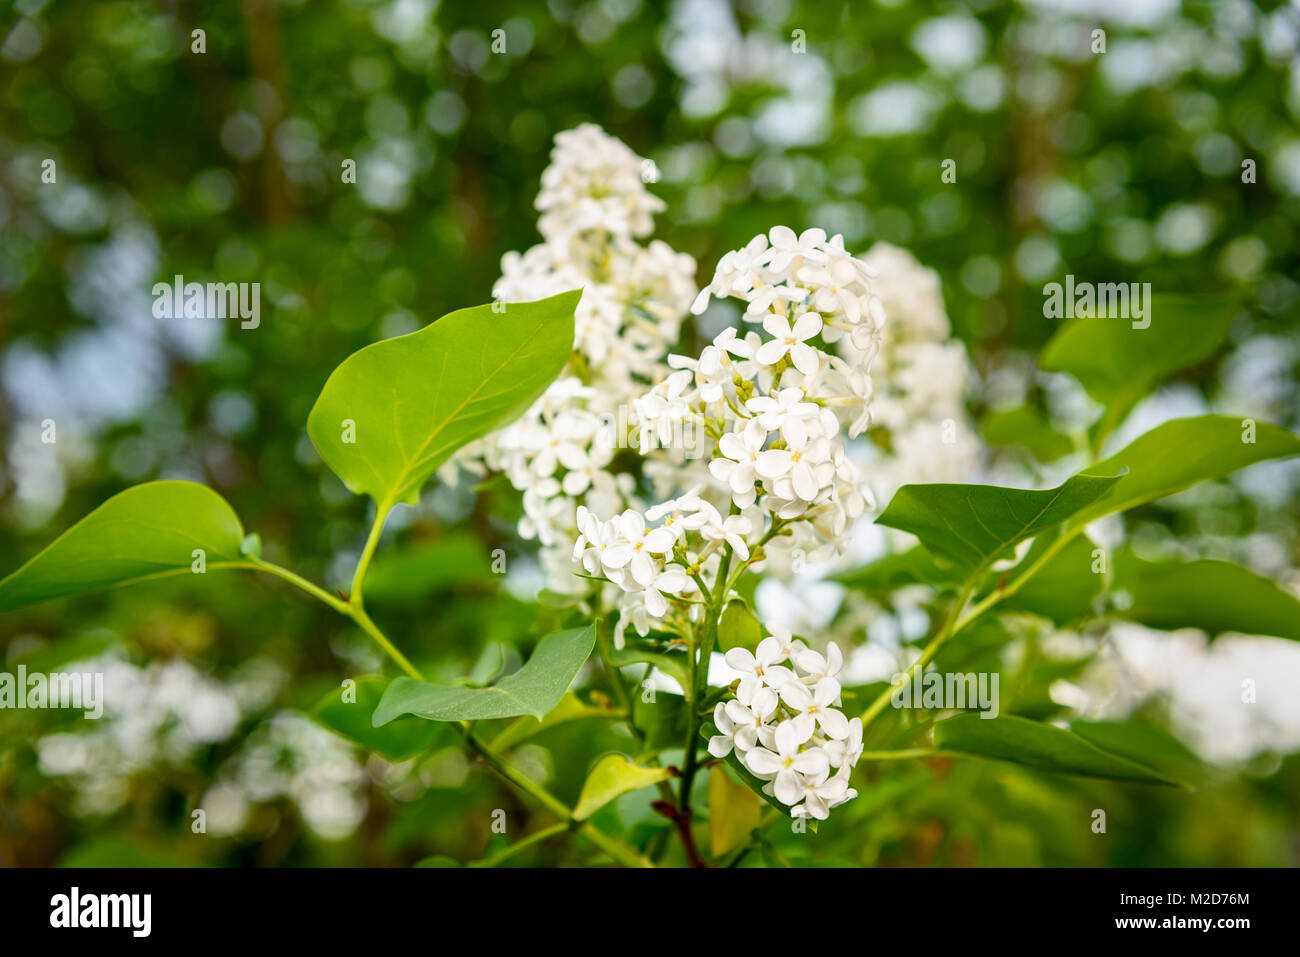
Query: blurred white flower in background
x=1230 y=700
x=158 y=714
x=291 y=757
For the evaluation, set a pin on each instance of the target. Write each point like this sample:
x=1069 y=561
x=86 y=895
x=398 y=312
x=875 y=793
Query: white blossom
x=594 y=208
x=784 y=725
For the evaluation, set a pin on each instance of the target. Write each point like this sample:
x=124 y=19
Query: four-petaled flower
x=784 y=763
x=792 y=340
x=816 y=705
x=759 y=668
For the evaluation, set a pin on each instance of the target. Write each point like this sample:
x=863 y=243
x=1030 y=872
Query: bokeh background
x=1120 y=166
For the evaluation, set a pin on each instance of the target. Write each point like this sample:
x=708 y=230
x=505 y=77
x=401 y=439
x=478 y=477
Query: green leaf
x=1118 y=364
x=1065 y=589
x=974 y=525
x=1025 y=426
x=1182 y=452
x=570 y=708
x=397 y=409
x=534 y=689
x=1039 y=746
x=662 y=720
x=612 y=777
x=351 y=719
x=492 y=661
x=898 y=570
x=1210 y=595
x=670 y=665
x=146 y=532
x=1145 y=743
x=734 y=812
x=738 y=628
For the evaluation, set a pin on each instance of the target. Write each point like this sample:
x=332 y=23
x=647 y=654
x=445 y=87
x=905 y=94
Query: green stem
x=368 y=551
x=957 y=620
x=614 y=848
x=297 y=580
x=513 y=774
x=999 y=594
x=358 y=614
x=947 y=631
x=701 y=652
x=353 y=609
x=902 y=754
x=522 y=845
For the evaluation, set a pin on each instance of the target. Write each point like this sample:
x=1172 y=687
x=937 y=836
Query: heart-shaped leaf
x=534 y=689
x=1039 y=746
x=612 y=777
x=148 y=531
x=397 y=409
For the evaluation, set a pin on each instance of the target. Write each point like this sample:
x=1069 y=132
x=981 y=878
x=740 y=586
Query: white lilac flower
x=671 y=580
x=815 y=706
x=845 y=752
x=759 y=668
x=787 y=249
x=743 y=727
x=791 y=340
x=594 y=208
x=775 y=407
x=819 y=796
x=807 y=464
x=785 y=412
x=735 y=464
x=790 y=646
x=731 y=530
x=818 y=666
x=720 y=744
x=784 y=726
x=595 y=182
x=788 y=765
x=637 y=546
